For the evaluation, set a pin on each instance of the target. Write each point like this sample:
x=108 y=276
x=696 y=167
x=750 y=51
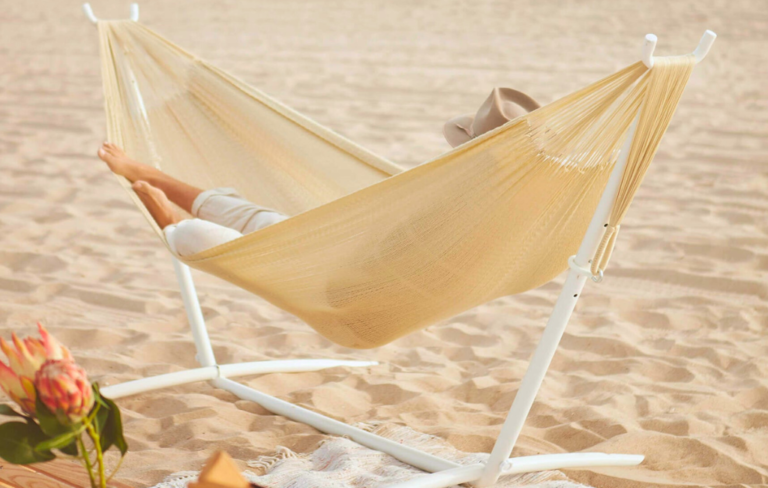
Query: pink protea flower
x=64 y=388
x=25 y=357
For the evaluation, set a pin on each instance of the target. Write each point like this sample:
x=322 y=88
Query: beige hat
x=501 y=106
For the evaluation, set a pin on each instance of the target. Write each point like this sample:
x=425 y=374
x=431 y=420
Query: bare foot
x=157 y=203
x=121 y=164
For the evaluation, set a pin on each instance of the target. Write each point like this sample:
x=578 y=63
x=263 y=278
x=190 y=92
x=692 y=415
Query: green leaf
x=50 y=423
x=111 y=431
x=97 y=396
x=101 y=420
x=9 y=411
x=18 y=441
x=102 y=415
x=59 y=442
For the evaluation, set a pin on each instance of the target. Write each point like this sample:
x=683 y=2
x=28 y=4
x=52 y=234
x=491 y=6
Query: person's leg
x=193 y=236
x=157 y=203
x=185 y=236
x=222 y=206
x=177 y=191
x=225 y=207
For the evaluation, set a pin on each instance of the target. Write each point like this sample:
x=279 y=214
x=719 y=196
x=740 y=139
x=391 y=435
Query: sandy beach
x=668 y=357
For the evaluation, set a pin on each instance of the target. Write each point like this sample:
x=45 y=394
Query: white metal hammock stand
x=444 y=473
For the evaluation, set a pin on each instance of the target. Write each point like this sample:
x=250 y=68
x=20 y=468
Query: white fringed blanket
x=342 y=463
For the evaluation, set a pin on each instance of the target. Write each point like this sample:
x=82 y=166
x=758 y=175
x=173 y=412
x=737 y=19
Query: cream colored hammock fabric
x=372 y=252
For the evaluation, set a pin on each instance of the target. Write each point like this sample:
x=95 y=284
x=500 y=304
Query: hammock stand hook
x=649 y=45
x=92 y=17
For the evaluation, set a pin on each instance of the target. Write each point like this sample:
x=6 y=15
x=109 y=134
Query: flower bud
x=64 y=388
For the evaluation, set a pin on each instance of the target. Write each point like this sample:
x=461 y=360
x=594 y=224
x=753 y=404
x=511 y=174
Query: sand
x=668 y=357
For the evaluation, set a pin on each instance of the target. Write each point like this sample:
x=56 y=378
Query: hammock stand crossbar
x=444 y=473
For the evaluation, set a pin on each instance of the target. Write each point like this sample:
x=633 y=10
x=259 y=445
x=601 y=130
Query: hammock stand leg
x=210 y=369
x=499 y=463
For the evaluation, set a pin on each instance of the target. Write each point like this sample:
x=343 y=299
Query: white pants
x=221 y=216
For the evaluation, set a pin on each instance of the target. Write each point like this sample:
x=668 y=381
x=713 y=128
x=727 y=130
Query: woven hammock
x=372 y=252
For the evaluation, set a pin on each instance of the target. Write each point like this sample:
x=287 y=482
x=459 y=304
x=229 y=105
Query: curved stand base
x=444 y=473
